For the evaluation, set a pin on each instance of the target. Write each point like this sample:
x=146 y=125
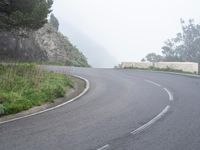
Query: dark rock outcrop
x=46 y=44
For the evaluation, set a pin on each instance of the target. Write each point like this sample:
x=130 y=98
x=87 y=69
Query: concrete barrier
x=179 y=66
x=135 y=65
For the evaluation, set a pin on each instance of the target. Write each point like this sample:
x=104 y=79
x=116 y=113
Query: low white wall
x=144 y=65
x=184 y=66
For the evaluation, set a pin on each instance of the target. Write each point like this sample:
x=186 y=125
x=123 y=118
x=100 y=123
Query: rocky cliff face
x=20 y=48
x=46 y=44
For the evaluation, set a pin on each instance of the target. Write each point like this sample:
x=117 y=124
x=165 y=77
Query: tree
x=153 y=57
x=143 y=60
x=24 y=14
x=191 y=41
x=54 y=22
x=185 y=46
x=171 y=51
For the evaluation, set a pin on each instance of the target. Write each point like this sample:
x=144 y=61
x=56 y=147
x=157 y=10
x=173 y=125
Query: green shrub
x=17 y=106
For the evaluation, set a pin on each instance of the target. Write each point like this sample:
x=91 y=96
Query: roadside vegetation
x=184 y=47
x=25 y=85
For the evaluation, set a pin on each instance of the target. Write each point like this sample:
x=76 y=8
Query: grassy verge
x=23 y=86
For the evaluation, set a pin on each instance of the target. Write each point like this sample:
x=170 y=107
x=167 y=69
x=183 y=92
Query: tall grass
x=24 y=85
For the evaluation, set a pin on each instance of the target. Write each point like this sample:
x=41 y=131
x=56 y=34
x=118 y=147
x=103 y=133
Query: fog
x=111 y=31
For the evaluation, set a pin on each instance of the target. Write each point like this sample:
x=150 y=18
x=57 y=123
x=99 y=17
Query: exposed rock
x=21 y=48
x=46 y=44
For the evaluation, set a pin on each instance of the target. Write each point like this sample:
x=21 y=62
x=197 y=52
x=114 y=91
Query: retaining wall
x=183 y=66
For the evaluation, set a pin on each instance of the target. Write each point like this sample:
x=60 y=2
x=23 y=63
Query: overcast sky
x=127 y=29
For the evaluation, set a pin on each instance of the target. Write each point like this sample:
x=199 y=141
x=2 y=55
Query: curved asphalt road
x=118 y=102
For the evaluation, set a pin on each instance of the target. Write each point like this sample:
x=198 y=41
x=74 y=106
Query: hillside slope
x=46 y=45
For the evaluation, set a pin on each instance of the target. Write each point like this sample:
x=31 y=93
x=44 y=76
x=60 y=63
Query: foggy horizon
x=125 y=30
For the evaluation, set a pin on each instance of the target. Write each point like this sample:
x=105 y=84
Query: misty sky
x=126 y=29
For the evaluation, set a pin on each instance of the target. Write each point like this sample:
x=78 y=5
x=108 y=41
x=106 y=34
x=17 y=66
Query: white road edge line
x=58 y=106
x=149 y=81
x=171 y=98
x=104 y=147
x=148 y=124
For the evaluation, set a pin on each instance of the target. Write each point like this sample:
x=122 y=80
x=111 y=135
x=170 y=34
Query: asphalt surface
x=118 y=102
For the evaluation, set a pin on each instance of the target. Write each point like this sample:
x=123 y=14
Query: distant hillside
x=46 y=44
